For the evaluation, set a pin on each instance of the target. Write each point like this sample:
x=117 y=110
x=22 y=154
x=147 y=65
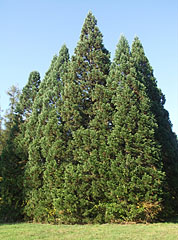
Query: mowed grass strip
x=32 y=231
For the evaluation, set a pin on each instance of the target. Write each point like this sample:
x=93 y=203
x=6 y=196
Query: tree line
x=91 y=142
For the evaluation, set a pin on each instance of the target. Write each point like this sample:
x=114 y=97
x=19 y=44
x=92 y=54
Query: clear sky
x=32 y=31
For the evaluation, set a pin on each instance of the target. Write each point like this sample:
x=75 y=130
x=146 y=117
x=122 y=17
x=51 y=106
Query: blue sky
x=32 y=31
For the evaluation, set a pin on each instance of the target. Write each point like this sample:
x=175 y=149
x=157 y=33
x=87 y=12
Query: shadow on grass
x=169 y=220
x=172 y=220
x=10 y=223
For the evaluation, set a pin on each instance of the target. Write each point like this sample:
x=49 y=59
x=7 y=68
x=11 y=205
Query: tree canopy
x=91 y=142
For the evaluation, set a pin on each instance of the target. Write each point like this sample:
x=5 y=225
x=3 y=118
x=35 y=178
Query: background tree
x=28 y=94
x=14 y=94
x=1 y=132
x=14 y=155
x=9 y=168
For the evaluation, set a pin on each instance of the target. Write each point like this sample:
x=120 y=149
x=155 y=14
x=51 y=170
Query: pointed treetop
x=122 y=56
x=137 y=47
x=64 y=52
x=62 y=58
x=90 y=36
x=90 y=49
x=122 y=49
x=89 y=23
x=29 y=93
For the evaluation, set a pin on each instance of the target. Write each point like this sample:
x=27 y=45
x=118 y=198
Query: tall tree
x=14 y=155
x=1 y=131
x=46 y=142
x=164 y=134
x=86 y=122
x=24 y=110
x=89 y=66
x=14 y=94
x=136 y=176
x=28 y=95
x=8 y=162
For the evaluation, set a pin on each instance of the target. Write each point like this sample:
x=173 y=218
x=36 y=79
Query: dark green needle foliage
x=24 y=110
x=136 y=177
x=89 y=67
x=13 y=94
x=9 y=163
x=86 y=121
x=28 y=94
x=92 y=142
x=1 y=132
x=14 y=155
x=46 y=142
x=164 y=135
x=11 y=179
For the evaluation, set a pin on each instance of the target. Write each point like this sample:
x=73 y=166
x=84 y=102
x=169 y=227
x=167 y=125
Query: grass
x=32 y=231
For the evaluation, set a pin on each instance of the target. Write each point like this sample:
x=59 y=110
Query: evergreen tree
x=89 y=66
x=136 y=176
x=9 y=167
x=11 y=182
x=1 y=132
x=14 y=94
x=84 y=112
x=28 y=95
x=46 y=142
x=14 y=155
x=24 y=110
x=90 y=143
x=164 y=135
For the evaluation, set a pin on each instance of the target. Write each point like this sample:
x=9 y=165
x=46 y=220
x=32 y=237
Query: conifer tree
x=24 y=110
x=28 y=94
x=46 y=143
x=85 y=118
x=90 y=143
x=89 y=66
x=136 y=176
x=14 y=155
x=1 y=132
x=14 y=94
x=9 y=167
x=11 y=179
x=33 y=169
x=164 y=135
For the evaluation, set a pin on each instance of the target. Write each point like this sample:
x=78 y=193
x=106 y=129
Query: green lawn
x=29 y=231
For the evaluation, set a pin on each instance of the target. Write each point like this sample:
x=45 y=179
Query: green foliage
x=14 y=154
x=136 y=176
x=46 y=142
x=2 y=132
x=92 y=142
x=28 y=94
x=89 y=68
x=164 y=135
x=84 y=111
x=11 y=182
x=13 y=94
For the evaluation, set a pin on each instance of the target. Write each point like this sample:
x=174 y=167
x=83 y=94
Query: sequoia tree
x=9 y=167
x=90 y=143
x=14 y=154
x=164 y=134
x=84 y=112
x=135 y=176
x=46 y=142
